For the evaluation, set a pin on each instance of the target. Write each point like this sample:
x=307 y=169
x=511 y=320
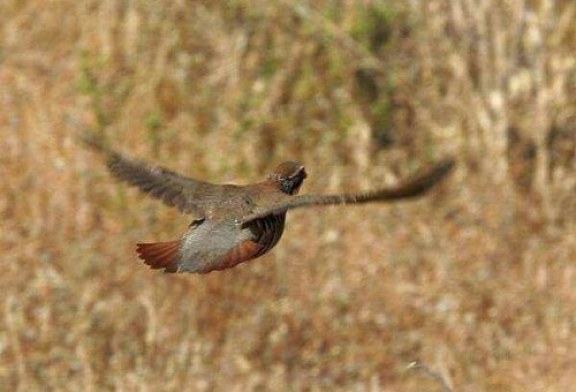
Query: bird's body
x=236 y=223
x=216 y=241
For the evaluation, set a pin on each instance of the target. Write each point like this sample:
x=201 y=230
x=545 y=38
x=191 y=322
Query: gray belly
x=205 y=246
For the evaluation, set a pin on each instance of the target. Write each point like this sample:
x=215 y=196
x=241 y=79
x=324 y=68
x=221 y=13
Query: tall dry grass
x=476 y=282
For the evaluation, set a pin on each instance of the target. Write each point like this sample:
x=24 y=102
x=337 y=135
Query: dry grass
x=476 y=282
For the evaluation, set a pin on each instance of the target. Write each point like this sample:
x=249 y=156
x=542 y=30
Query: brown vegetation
x=476 y=282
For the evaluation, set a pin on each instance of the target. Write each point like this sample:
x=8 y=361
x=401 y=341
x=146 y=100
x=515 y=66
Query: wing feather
x=173 y=189
x=415 y=186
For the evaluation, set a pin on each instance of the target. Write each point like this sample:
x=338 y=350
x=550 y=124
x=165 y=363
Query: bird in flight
x=236 y=223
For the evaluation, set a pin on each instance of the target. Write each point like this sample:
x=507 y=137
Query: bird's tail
x=160 y=255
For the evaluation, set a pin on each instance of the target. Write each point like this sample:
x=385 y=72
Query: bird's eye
x=197 y=222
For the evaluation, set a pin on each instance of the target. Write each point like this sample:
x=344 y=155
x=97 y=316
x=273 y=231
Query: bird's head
x=289 y=176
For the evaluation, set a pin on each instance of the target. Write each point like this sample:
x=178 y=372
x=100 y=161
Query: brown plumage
x=236 y=223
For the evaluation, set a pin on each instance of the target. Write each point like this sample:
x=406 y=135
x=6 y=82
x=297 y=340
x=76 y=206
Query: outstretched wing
x=186 y=194
x=415 y=186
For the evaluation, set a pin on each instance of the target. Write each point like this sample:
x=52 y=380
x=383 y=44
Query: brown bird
x=236 y=223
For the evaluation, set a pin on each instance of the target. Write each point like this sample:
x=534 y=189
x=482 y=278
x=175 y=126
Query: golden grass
x=475 y=282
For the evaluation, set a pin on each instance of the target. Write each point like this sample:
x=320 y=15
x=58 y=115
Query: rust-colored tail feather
x=245 y=251
x=160 y=255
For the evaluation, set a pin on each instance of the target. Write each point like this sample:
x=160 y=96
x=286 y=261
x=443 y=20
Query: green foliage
x=153 y=121
x=88 y=85
x=373 y=25
x=102 y=93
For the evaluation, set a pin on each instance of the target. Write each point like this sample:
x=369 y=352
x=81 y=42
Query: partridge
x=236 y=223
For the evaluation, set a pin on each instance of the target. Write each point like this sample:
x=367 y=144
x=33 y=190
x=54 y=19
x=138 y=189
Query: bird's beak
x=299 y=172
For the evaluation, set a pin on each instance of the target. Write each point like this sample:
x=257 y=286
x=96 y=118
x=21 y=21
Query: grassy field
x=476 y=282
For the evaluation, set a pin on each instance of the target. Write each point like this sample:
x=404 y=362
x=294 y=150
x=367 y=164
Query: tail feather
x=160 y=255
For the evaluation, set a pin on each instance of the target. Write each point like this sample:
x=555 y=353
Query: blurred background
x=476 y=281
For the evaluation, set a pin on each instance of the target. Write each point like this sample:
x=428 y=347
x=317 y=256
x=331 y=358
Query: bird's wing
x=186 y=194
x=414 y=186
